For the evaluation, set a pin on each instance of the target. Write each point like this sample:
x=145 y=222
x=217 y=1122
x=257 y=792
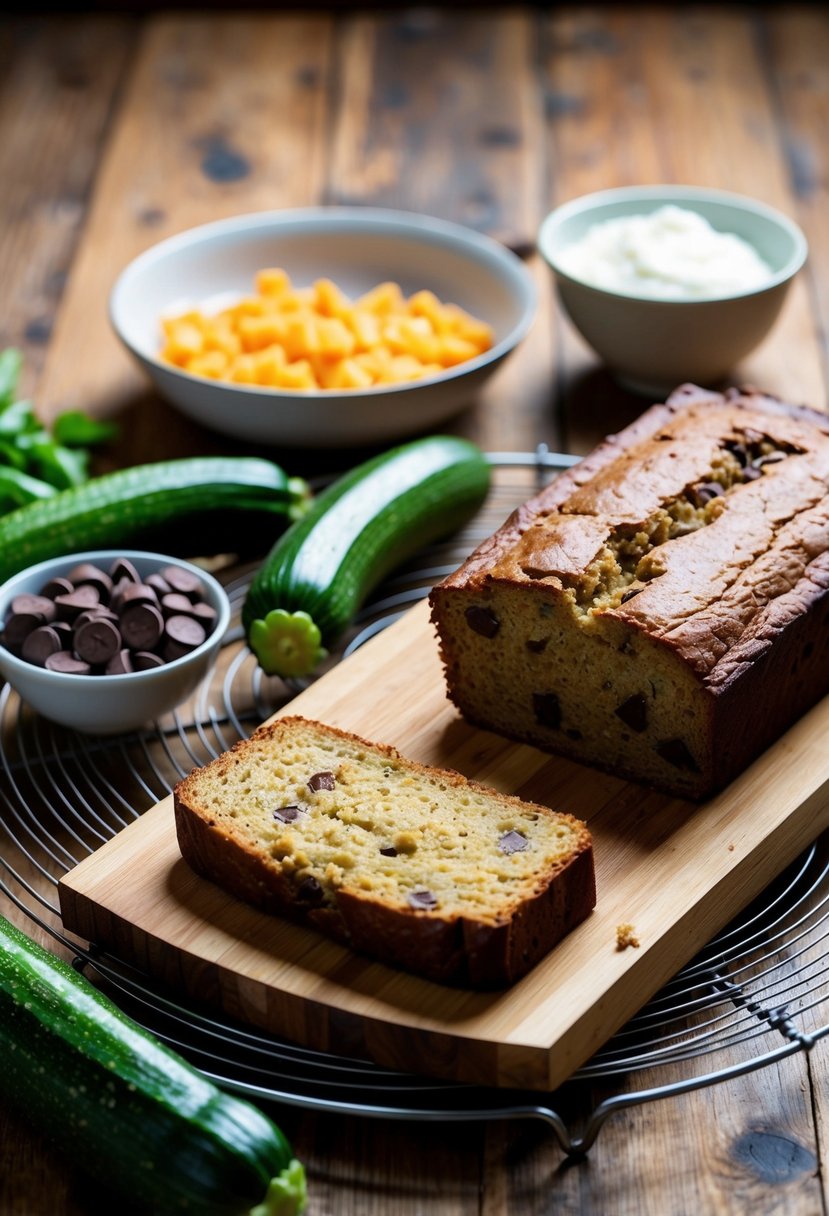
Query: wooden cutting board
x=677 y=872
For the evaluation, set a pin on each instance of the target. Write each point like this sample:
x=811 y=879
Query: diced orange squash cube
x=249 y=306
x=242 y=369
x=400 y=368
x=383 y=299
x=425 y=304
x=474 y=331
x=365 y=327
x=273 y=282
x=348 y=374
x=221 y=336
x=257 y=333
x=301 y=337
x=212 y=364
x=184 y=341
x=268 y=365
x=335 y=340
x=296 y=375
x=329 y=300
x=454 y=350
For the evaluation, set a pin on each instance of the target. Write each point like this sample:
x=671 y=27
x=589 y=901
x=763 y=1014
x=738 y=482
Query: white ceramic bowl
x=108 y=705
x=654 y=345
x=357 y=248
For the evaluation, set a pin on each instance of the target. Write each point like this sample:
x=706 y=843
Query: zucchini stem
x=287 y=643
x=287 y=1193
x=301 y=497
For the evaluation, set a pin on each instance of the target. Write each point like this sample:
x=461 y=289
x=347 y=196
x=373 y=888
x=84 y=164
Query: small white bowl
x=109 y=705
x=357 y=248
x=654 y=345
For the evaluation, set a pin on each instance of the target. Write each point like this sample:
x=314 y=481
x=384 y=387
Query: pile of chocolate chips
x=110 y=622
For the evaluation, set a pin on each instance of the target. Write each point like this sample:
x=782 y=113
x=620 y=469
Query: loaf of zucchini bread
x=415 y=866
x=660 y=610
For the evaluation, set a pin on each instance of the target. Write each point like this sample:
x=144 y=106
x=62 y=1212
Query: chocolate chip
x=182 y=635
x=739 y=452
x=126 y=594
x=512 y=842
x=751 y=473
x=18 y=627
x=769 y=458
x=175 y=604
x=547 y=709
x=72 y=605
x=423 y=899
x=634 y=712
x=87 y=573
x=142 y=626
x=205 y=614
x=322 y=781
x=158 y=583
x=97 y=641
x=482 y=621
x=630 y=593
x=120 y=664
x=536 y=645
x=56 y=586
x=39 y=606
x=705 y=491
x=287 y=814
x=40 y=643
x=65 y=661
x=92 y=614
x=145 y=660
x=183 y=581
x=122 y=568
x=310 y=890
x=388 y=850
x=676 y=752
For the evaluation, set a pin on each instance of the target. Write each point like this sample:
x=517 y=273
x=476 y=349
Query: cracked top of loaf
x=704 y=524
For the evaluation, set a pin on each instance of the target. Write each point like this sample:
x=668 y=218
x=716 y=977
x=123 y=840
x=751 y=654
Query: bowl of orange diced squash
x=323 y=326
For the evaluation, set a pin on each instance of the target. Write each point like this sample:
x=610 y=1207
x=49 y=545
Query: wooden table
x=117 y=130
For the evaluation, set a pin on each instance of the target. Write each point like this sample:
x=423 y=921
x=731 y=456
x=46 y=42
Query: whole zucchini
x=202 y=492
x=135 y=1115
x=322 y=568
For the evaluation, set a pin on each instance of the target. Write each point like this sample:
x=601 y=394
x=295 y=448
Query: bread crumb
x=626 y=936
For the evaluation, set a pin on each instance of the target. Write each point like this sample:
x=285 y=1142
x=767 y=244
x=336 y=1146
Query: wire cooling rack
x=757 y=993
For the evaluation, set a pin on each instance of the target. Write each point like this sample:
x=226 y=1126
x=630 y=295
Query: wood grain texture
x=58 y=86
x=219 y=117
x=676 y=871
x=399 y=75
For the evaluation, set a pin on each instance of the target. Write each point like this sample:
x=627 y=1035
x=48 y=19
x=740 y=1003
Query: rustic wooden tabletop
x=118 y=129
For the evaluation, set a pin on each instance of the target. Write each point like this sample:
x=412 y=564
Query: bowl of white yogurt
x=670 y=284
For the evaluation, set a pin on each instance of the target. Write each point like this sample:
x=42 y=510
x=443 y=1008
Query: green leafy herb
x=75 y=429
x=35 y=461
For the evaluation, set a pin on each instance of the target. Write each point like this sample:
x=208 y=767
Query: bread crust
x=474 y=951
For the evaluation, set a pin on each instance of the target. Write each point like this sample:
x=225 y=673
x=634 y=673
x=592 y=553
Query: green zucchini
x=201 y=495
x=135 y=1115
x=322 y=568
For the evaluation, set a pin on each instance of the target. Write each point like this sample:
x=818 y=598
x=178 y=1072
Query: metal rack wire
x=757 y=993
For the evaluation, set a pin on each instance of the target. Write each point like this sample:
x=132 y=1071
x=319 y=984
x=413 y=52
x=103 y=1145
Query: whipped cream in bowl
x=671 y=253
x=671 y=284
